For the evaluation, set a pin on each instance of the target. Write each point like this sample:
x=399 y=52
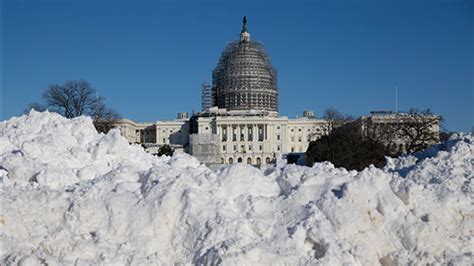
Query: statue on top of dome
x=244 y=24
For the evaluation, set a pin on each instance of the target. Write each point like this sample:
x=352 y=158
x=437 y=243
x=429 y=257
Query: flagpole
x=396 y=99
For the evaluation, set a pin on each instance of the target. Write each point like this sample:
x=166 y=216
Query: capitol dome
x=244 y=78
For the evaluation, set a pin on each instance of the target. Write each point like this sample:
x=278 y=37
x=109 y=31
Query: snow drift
x=73 y=196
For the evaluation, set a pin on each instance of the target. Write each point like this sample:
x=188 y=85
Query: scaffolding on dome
x=244 y=78
x=206 y=97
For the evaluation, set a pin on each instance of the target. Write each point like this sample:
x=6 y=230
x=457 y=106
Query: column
x=265 y=137
x=253 y=132
x=245 y=133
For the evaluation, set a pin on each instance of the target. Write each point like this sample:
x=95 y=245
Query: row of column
x=249 y=132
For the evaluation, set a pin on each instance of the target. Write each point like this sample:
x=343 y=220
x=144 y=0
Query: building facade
x=401 y=132
x=242 y=136
x=221 y=136
x=239 y=121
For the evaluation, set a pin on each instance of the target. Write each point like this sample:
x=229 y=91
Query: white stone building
x=255 y=139
x=137 y=132
x=220 y=136
x=239 y=121
x=401 y=132
x=154 y=135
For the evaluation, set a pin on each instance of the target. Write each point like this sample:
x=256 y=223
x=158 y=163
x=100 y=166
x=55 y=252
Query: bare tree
x=406 y=132
x=75 y=98
x=422 y=131
x=104 y=117
x=334 y=119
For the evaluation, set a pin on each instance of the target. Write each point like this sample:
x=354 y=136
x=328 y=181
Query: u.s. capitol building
x=239 y=121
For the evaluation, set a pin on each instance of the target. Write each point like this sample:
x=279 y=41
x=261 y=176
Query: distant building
x=239 y=121
x=254 y=137
x=137 y=132
x=154 y=135
x=401 y=132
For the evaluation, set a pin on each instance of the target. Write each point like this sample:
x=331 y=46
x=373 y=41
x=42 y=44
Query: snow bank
x=73 y=196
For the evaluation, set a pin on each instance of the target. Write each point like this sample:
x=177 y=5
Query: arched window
x=231 y=161
x=249 y=160
x=239 y=160
x=267 y=160
x=259 y=161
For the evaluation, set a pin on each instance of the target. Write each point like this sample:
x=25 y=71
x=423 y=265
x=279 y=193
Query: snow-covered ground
x=73 y=196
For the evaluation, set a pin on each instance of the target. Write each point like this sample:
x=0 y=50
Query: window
x=235 y=147
x=278 y=137
x=299 y=129
x=260 y=147
x=278 y=127
x=224 y=134
x=164 y=140
x=299 y=139
x=249 y=160
x=250 y=147
x=278 y=148
x=223 y=147
x=292 y=149
x=207 y=128
x=292 y=130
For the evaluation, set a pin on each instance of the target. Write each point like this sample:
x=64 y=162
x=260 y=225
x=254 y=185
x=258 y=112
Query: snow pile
x=72 y=196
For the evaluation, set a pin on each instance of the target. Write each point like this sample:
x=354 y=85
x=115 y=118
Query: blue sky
x=149 y=58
